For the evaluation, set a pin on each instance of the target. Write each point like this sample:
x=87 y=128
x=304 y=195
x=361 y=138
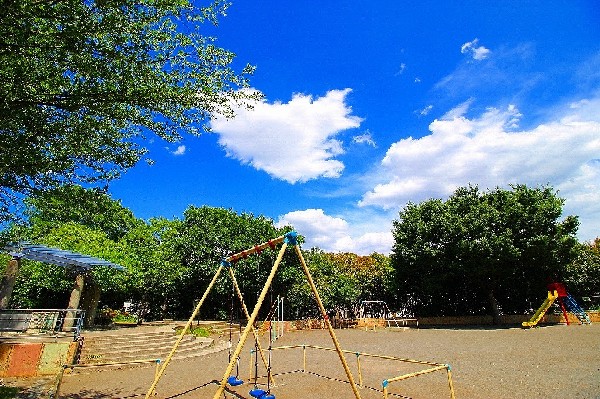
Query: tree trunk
x=494 y=307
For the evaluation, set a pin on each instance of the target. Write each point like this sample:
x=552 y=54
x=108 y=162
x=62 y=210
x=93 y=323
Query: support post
x=8 y=281
x=327 y=322
x=250 y=324
x=187 y=326
x=247 y=315
x=74 y=302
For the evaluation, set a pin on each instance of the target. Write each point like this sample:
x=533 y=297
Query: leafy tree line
x=488 y=252
x=475 y=253
x=169 y=263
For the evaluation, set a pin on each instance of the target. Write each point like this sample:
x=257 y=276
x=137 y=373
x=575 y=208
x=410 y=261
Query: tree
x=583 y=274
x=481 y=252
x=203 y=238
x=83 y=83
x=88 y=207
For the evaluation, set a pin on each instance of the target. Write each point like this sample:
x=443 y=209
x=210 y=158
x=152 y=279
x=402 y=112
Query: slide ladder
x=552 y=295
x=577 y=310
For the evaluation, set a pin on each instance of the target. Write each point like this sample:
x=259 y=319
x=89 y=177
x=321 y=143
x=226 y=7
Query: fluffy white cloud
x=477 y=52
x=179 y=151
x=487 y=150
x=333 y=234
x=293 y=141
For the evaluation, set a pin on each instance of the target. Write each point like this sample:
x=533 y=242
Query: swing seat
x=234 y=381
x=257 y=393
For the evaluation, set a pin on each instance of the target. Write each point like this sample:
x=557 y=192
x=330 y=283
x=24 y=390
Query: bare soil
x=490 y=363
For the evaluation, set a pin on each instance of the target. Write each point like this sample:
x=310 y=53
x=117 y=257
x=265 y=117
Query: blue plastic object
x=269 y=396
x=291 y=238
x=257 y=393
x=234 y=381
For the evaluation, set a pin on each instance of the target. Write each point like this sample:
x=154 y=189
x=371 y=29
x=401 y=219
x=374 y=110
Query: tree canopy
x=482 y=252
x=83 y=83
x=477 y=252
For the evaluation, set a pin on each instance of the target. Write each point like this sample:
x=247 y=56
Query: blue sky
x=370 y=105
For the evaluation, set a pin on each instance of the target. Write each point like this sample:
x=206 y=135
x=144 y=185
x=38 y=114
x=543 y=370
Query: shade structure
x=59 y=257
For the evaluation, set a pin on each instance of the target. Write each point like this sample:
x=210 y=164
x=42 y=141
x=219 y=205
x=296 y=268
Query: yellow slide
x=552 y=295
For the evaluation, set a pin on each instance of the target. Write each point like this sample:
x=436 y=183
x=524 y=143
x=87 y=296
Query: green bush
x=196 y=331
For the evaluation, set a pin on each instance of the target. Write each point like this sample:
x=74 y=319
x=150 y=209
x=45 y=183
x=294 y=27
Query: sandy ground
x=548 y=362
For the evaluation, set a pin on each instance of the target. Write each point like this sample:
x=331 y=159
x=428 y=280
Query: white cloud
x=179 y=151
x=425 y=111
x=334 y=234
x=402 y=69
x=365 y=138
x=487 y=151
x=478 y=53
x=293 y=141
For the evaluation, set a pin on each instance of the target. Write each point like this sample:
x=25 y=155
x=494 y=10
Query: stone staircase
x=135 y=344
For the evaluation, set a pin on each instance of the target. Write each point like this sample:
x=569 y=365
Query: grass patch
x=8 y=392
x=196 y=331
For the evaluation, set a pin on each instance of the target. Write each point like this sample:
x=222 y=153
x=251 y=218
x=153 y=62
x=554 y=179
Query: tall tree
x=583 y=275
x=202 y=239
x=83 y=83
x=482 y=252
x=88 y=207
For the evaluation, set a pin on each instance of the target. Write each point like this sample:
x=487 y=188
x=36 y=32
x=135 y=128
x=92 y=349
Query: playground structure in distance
x=567 y=304
x=232 y=381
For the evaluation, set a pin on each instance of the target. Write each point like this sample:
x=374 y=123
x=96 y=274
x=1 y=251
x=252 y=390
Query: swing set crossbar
x=257 y=249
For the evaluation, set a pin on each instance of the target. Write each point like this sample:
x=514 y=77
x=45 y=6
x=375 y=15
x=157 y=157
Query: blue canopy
x=59 y=257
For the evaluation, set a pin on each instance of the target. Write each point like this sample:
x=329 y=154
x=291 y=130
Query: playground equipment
x=232 y=380
x=566 y=302
x=287 y=239
x=380 y=310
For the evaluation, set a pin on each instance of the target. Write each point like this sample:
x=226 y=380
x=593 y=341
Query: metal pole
x=247 y=315
x=327 y=323
x=250 y=324
x=187 y=326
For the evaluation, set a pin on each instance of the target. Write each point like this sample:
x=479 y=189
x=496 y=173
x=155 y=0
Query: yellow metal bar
x=450 y=383
x=187 y=326
x=362 y=354
x=304 y=359
x=327 y=322
x=417 y=373
x=250 y=324
x=247 y=315
x=360 y=379
x=72 y=366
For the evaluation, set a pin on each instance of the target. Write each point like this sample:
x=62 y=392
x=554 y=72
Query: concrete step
x=135 y=346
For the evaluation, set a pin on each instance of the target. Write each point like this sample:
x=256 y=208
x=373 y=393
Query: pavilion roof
x=55 y=256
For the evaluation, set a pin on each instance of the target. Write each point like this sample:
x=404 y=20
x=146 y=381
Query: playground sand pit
x=492 y=363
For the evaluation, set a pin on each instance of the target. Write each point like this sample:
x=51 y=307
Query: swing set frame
x=289 y=239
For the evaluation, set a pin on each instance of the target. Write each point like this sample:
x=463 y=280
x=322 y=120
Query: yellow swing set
x=289 y=239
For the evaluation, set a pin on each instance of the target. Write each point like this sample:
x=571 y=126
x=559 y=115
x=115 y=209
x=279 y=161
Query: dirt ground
x=490 y=363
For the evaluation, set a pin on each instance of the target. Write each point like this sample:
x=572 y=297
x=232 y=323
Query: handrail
x=42 y=320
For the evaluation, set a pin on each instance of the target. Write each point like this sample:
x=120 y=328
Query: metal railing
x=38 y=321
